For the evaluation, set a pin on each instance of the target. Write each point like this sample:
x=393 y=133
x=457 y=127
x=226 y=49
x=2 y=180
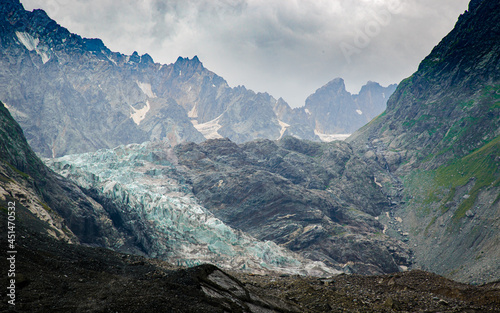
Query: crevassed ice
x=142 y=179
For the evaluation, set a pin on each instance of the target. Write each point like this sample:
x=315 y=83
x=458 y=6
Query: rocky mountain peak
x=194 y=62
x=94 y=44
x=334 y=110
x=122 y=99
x=336 y=85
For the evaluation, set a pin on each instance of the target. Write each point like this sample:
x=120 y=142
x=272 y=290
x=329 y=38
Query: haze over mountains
x=416 y=188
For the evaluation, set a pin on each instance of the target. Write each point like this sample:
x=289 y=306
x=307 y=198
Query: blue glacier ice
x=144 y=181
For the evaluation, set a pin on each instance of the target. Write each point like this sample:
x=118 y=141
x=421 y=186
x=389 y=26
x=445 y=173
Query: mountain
x=425 y=172
x=73 y=95
x=333 y=110
x=439 y=139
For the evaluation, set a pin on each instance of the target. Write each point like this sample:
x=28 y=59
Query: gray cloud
x=287 y=48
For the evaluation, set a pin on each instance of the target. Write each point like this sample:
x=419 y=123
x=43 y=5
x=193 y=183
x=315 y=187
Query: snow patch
x=284 y=126
x=359 y=112
x=146 y=88
x=193 y=113
x=307 y=111
x=139 y=115
x=31 y=44
x=383 y=95
x=27 y=40
x=113 y=61
x=331 y=137
x=209 y=129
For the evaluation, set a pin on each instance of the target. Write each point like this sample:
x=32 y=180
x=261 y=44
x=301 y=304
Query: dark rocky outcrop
x=317 y=199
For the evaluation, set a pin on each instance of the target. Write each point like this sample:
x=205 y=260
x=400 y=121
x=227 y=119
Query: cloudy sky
x=288 y=48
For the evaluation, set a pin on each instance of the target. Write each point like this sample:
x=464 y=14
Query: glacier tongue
x=143 y=181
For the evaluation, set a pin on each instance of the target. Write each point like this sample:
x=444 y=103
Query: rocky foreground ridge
x=73 y=95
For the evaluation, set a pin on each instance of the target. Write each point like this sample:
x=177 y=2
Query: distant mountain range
x=72 y=94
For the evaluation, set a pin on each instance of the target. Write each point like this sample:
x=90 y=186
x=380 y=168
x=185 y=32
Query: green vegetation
x=46 y=207
x=24 y=175
x=481 y=166
x=431 y=191
x=4 y=179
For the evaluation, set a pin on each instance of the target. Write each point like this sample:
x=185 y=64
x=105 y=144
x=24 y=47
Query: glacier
x=143 y=180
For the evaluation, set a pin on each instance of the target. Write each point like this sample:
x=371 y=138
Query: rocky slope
x=317 y=199
x=72 y=94
x=69 y=214
x=440 y=135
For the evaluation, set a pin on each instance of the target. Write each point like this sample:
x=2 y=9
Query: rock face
x=72 y=94
x=333 y=110
x=440 y=133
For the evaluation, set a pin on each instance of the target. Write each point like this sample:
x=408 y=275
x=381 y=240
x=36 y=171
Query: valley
x=138 y=185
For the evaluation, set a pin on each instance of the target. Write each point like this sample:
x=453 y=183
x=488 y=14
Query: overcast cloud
x=288 y=48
